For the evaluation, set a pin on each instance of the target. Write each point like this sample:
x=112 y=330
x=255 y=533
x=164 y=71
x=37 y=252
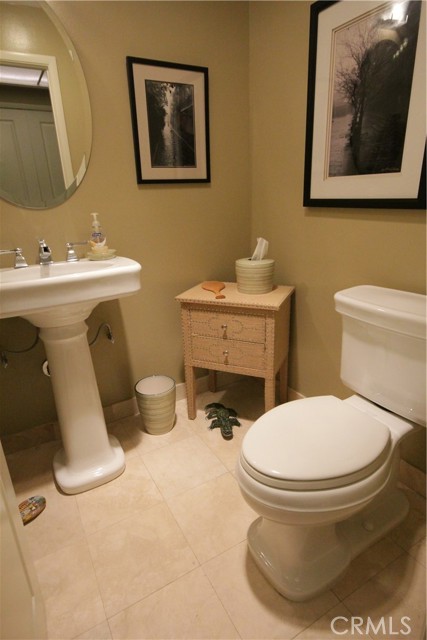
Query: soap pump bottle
x=97 y=237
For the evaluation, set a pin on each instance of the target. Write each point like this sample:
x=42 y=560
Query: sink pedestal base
x=75 y=481
x=90 y=457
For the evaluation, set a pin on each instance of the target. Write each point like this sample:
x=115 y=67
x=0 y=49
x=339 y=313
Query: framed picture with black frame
x=366 y=126
x=170 y=121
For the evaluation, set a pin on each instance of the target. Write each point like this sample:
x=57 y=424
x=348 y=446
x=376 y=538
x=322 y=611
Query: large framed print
x=366 y=124
x=170 y=121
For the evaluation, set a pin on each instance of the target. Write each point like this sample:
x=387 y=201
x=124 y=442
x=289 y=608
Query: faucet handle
x=19 y=258
x=71 y=254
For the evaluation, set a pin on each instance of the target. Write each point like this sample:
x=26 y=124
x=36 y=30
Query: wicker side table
x=242 y=333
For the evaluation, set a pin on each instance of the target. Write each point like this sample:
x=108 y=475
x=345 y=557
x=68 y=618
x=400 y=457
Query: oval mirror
x=46 y=123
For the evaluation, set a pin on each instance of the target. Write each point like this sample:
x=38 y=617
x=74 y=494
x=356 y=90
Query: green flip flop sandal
x=224 y=418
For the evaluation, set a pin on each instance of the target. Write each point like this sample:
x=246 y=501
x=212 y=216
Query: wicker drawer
x=241 y=333
x=228 y=326
x=247 y=355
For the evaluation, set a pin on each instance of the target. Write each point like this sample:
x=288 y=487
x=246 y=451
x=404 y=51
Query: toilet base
x=303 y=561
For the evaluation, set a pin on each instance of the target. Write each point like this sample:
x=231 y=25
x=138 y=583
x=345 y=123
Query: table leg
x=212 y=380
x=283 y=381
x=270 y=393
x=190 y=386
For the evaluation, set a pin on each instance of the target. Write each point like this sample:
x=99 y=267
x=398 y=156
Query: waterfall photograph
x=170 y=111
x=169 y=105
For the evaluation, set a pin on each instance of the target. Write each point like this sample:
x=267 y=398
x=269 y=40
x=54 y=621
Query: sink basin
x=40 y=288
x=58 y=298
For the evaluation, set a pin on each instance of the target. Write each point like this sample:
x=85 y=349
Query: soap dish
x=105 y=255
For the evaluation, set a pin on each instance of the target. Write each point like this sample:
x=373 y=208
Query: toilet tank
x=384 y=348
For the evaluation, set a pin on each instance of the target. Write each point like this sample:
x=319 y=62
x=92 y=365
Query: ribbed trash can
x=156 y=398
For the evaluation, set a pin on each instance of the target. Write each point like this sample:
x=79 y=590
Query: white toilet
x=322 y=472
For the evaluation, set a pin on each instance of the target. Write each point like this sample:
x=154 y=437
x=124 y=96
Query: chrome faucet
x=19 y=258
x=45 y=254
x=71 y=254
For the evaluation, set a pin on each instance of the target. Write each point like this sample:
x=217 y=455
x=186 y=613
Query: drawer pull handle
x=225 y=354
x=224 y=330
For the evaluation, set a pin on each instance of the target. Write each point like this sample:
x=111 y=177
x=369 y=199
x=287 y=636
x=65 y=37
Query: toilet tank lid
x=400 y=311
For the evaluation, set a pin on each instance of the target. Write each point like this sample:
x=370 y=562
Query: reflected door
x=31 y=170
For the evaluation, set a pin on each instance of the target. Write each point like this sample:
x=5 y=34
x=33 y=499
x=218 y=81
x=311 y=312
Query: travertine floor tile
x=135 y=440
x=227 y=451
x=213 y=516
x=100 y=632
x=130 y=493
x=410 y=531
x=334 y=624
x=186 y=609
x=255 y=608
x=397 y=593
x=366 y=565
x=418 y=551
x=70 y=591
x=58 y=526
x=131 y=550
x=182 y=465
x=139 y=555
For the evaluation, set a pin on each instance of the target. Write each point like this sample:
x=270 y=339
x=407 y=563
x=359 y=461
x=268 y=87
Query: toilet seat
x=315 y=443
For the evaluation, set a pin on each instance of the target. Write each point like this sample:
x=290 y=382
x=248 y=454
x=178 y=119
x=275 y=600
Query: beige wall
x=257 y=54
x=318 y=250
x=181 y=234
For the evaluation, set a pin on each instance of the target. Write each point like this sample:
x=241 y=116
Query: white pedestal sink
x=58 y=299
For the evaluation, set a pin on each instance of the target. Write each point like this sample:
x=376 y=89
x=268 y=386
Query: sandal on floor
x=31 y=508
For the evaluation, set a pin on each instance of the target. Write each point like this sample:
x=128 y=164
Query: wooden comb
x=215 y=287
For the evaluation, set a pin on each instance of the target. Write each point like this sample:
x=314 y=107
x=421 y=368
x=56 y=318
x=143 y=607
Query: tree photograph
x=373 y=69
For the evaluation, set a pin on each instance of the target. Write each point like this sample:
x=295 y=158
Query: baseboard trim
x=409 y=475
x=294 y=395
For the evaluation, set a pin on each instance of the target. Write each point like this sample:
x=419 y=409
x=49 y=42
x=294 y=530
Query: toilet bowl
x=318 y=510
x=322 y=472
